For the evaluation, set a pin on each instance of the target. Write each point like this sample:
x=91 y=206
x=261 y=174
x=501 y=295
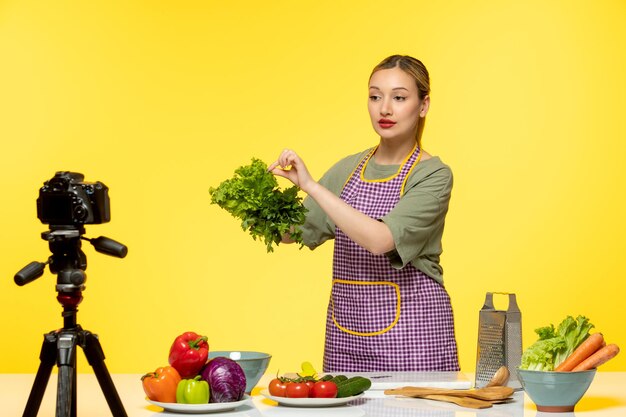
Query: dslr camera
x=67 y=200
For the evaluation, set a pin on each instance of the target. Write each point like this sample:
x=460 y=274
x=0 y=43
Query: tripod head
x=68 y=260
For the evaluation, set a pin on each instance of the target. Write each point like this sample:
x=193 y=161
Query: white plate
x=200 y=408
x=309 y=402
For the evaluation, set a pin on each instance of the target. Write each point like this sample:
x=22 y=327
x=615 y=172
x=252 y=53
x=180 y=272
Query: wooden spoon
x=486 y=394
x=500 y=378
x=462 y=401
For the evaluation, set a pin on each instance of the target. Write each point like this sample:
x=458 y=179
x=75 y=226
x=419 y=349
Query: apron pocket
x=365 y=308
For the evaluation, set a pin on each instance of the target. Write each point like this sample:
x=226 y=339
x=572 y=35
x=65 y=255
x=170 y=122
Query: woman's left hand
x=289 y=165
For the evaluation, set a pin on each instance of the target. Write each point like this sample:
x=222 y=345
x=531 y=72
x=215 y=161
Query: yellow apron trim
x=408 y=174
x=379 y=332
x=392 y=176
x=368 y=156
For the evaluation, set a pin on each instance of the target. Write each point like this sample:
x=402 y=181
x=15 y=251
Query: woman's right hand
x=367 y=232
x=289 y=165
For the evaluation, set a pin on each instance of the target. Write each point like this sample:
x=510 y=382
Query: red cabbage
x=227 y=382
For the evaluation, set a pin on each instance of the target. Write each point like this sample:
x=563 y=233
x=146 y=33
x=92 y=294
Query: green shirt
x=416 y=222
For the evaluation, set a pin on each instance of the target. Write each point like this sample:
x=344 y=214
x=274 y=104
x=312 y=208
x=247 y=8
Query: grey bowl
x=254 y=364
x=555 y=391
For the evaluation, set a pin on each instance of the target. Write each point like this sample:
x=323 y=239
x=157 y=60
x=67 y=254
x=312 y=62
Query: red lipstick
x=386 y=123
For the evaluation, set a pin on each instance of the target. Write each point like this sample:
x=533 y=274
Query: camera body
x=66 y=200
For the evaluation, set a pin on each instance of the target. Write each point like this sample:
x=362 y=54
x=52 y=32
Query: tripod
x=59 y=346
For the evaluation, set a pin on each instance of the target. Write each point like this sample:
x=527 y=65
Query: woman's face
x=394 y=105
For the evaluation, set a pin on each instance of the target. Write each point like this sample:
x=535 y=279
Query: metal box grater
x=499 y=341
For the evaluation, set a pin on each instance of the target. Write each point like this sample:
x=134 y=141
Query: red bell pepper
x=189 y=354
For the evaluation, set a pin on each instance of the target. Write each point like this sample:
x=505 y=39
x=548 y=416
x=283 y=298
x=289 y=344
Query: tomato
x=297 y=390
x=277 y=387
x=310 y=385
x=324 y=389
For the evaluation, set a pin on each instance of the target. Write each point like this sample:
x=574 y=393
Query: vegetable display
x=192 y=378
x=189 y=353
x=253 y=196
x=570 y=347
x=308 y=385
x=326 y=387
x=226 y=379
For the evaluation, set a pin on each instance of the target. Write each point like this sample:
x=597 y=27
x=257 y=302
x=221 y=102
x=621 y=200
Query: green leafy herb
x=253 y=196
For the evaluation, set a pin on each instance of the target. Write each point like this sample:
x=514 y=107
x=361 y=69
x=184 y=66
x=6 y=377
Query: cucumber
x=339 y=378
x=326 y=377
x=353 y=386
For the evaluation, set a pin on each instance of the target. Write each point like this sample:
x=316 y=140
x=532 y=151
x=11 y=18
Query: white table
x=606 y=397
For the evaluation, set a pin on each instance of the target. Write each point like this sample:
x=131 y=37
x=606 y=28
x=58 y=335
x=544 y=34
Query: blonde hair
x=416 y=69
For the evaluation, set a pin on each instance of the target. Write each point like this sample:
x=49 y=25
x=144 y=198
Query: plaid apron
x=381 y=318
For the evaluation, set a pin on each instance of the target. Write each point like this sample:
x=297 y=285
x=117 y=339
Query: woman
x=385 y=207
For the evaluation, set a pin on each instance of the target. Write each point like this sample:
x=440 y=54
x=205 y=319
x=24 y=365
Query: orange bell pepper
x=161 y=384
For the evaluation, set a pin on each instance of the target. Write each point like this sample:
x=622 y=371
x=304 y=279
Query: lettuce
x=540 y=356
x=252 y=195
x=574 y=332
x=555 y=345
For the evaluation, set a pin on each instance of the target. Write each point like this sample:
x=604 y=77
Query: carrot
x=582 y=352
x=598 y=358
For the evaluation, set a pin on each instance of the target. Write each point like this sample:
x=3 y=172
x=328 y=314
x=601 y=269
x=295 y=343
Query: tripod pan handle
x=29 y=273
x=109 y=246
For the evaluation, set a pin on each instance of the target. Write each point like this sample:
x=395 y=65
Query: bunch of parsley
x=252 y=195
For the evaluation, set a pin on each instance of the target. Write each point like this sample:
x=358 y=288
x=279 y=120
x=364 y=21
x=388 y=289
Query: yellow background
x=161 y=100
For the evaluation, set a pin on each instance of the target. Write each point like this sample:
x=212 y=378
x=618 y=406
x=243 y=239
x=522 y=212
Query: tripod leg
x=95 y=357
x=66 y=388
x=47 y=359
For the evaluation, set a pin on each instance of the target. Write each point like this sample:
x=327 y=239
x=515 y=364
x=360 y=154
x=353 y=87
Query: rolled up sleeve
x=417 y=221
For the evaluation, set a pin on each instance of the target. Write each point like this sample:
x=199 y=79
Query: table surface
x=606 y=397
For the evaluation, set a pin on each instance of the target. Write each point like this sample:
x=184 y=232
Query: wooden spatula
x=462 y=401
x=486 y=394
